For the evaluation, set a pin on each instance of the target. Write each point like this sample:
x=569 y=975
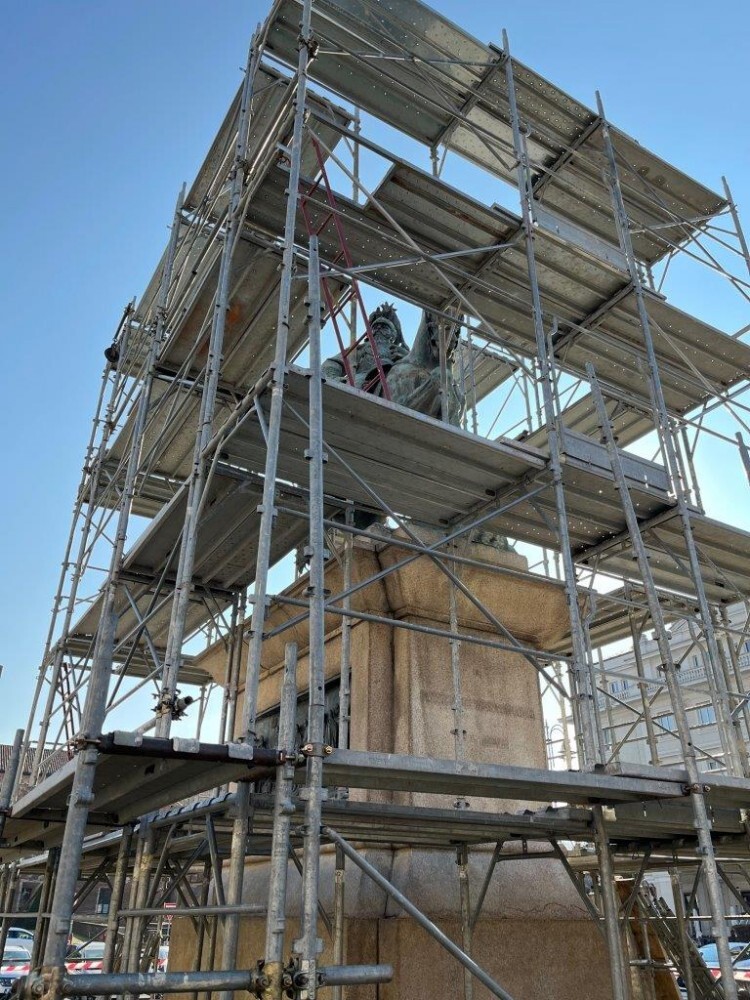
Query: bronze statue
x=414 y=379
x=390 y=344
x=413 y=376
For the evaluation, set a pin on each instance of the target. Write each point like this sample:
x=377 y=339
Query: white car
x=15 y=963
x=19 y=937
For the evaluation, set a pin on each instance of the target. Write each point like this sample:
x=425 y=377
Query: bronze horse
x=413 y=376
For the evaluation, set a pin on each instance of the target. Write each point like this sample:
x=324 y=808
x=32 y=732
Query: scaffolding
x=216 y=428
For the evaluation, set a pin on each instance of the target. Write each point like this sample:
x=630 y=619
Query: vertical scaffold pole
x=737 y=224
x=8 y=900
x=308 y=946
x=682 y=930
x=42 y=922
x=92 y=470
x=118 y=890
x=267 y=508
x=339 y=917
x=82 y=791
x=282 y=819
x=635 y=636
x=9 y=779
x=462 y=861
x=198 y=476
x=610 y=905
x=700 y=811
x=345 y=699
x=738 y=750
x=580 y=676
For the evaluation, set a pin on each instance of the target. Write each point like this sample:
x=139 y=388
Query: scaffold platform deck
x=436 y=475
x=442 y=86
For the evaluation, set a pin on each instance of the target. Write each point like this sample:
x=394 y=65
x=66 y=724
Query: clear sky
x=106 y=107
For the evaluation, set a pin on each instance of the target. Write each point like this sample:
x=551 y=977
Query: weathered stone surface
x=535 y=936
x=533 y=958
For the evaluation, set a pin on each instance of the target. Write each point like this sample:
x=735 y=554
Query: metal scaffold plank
x=135 y=775
x=586 y=293
x=397 y=772
x=417 y=71
x=270 y=130
x=723 y=553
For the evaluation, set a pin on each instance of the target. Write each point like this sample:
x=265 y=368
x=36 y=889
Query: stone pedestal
x=534 y=935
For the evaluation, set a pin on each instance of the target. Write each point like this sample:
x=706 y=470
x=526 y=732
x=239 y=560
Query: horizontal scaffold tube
x=354 y=975
x=105 y=984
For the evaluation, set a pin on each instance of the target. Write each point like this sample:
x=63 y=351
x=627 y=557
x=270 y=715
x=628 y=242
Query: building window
x=619 y=687
x=26 y=894
x=706 y=715
x=103 y=897
x=667 y=721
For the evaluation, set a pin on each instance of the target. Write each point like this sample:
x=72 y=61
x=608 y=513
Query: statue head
x=384 y=322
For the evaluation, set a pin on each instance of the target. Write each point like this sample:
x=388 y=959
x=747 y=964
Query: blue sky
x=107 y=107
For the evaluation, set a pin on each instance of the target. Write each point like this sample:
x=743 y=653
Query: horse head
x=426 y=348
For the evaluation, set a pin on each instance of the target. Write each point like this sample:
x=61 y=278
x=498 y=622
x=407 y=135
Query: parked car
x=93 y=951
x=710 y=956
x=19 y=937
x=15 y=963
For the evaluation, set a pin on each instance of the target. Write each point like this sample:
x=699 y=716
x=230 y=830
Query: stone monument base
x=535 y=935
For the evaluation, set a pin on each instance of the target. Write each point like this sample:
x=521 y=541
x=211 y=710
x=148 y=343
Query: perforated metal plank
x=135 y=776
x=225 y=558
x=454 y=76
x=723 y=551
x=169 y=437
x=271 y=123
x=439 y=475
x=423 y=468
x=582 y=417
x=397 y=772
x=577 y=287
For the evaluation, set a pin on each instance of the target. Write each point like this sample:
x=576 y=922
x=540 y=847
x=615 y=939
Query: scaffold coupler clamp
x=316 y=750
x=311 y=44
x=173 y=706
x=45 y=982
x=267 y=981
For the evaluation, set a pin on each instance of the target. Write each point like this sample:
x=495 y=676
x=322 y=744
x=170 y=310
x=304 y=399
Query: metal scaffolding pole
x=282 y=819
x=581 y=670
x=96 y=695
x=8 y=898
x=635 y=636
x=90 y=478
x=738 y=750
x=309 y=946
x=115 y=902
x=267 y=508
x=339 y=916
x=10 y=778
x=346 y=639
x=467 y=927
x=167 y=709
x=611 y=908
x=697 y=798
